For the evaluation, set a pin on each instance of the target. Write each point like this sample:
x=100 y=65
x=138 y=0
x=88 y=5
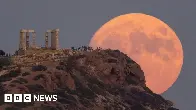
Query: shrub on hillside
x=25 y=73
x=2 y=53
x=39 y=77
x=5 y=61
x=39 y=68
x=9 y=76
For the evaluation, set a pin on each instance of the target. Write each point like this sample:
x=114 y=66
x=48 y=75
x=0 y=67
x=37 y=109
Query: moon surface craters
x=163 y=30
x=151 y=45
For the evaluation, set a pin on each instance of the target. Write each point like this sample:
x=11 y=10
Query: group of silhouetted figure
x=85 y=48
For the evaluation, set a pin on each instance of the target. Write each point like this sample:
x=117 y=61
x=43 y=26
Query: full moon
x=148 y=41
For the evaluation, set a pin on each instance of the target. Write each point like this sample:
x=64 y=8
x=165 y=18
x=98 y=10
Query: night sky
x=79 y=20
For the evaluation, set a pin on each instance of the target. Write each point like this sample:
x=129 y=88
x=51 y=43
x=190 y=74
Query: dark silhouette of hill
x=85 y=80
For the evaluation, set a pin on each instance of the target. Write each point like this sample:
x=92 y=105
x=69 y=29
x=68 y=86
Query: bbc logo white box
x=17 y=97
x=7 y=97
x=27 y=97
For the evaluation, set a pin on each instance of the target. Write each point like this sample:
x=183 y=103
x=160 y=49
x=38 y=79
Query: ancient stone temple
x=25 y=43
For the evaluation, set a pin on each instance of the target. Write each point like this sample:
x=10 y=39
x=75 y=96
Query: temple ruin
x=24 y=39
x=54 y=39
x=25 y=43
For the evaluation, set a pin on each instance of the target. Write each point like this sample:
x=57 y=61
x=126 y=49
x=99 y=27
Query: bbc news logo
x=28 y=98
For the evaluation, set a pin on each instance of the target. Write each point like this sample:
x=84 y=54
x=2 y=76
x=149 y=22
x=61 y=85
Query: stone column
x=33 y=42
x=46 y=39
x=22 y=45
x=27 y=39
x=55 y=39
x=52 y=40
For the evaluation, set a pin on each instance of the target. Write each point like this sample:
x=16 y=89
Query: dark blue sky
x=79 y=20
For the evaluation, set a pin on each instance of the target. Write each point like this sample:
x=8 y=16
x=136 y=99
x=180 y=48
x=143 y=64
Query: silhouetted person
x=85 y=48
x=90 y=48
x=2 y=53
x=72 y=48
x=79 y=48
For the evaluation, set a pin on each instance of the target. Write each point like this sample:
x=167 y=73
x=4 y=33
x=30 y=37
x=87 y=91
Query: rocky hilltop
x=83 y=80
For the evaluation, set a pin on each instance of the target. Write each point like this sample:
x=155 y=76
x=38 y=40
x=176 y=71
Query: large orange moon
x=148 y=41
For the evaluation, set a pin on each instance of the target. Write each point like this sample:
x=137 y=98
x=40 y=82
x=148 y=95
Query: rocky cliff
x=88 y=80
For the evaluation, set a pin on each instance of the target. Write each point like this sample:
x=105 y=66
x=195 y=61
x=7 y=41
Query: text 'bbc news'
x=29 y=98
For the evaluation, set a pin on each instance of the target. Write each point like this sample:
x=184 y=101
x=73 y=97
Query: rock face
x=96 y=80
